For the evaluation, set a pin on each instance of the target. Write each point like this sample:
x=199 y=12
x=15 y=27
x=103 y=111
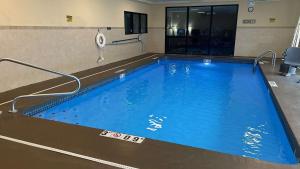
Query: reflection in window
x=144 y=26
x=176 y=21
x=135 y=23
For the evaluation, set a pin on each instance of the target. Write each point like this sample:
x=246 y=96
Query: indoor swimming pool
x=218 y=106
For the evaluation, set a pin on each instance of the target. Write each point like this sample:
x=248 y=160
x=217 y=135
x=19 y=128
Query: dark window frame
x=212 y=6
x=131 y=31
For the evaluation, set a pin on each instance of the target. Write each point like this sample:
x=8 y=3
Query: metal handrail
x=128 y=41
x=13 y=109
x=259 y=57
x=124 y=40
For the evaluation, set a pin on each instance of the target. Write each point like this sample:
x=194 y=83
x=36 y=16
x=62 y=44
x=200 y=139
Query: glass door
x=176 y=25
x=199 y=30
x=223 y=29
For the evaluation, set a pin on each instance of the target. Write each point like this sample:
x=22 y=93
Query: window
x=128 y=23
x=135 y=23
x=201 y=30
x=144 y=24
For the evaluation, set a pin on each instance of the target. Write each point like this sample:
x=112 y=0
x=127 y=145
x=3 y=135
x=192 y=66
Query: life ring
x=100 y=40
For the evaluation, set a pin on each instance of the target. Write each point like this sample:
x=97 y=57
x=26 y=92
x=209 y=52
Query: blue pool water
x=222 y=107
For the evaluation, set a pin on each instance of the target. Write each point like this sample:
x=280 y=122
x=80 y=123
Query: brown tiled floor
x=17 y=156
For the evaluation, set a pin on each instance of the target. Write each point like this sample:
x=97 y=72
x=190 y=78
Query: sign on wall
x=251 y=4
x=249 y=21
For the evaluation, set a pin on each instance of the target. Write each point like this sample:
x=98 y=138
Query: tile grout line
x=113 y=164
x=85 y=77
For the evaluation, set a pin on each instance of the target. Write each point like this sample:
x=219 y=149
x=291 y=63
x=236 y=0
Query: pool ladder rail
x=74 y=78
x=261 y=56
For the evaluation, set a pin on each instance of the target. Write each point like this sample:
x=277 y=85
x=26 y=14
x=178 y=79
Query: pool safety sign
x=120 y=136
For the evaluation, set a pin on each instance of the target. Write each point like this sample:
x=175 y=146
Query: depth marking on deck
x=273 y=84
x=66 y=153
x=121 y=136
x=85 y=77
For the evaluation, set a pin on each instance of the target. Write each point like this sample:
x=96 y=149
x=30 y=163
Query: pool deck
x=151 y=154
x=287 y=96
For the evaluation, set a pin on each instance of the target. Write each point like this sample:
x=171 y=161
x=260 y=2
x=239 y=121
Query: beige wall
x=62 y=49
x=36 y=31
x=285 y=11
x=251 y=39
x=87 y=13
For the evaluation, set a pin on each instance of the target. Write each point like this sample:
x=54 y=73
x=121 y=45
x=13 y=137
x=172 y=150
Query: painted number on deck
x=273 y=84
x=120 y=136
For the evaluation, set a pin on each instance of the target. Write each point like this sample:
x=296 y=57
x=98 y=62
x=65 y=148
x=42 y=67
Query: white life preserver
x=100 y=40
